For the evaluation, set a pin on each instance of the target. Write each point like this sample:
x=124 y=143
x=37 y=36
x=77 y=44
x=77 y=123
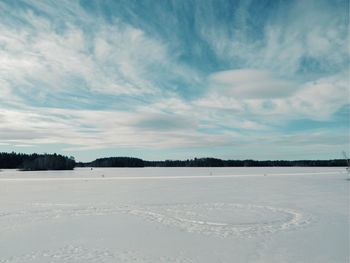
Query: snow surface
x=175 y=215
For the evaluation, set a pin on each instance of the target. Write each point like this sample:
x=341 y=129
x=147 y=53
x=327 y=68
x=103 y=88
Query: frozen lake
x=175 y=215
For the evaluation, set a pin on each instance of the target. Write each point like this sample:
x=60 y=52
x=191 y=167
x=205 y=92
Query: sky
x=175 y=79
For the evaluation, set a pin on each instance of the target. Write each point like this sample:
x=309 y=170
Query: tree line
x=209 y=162
x=34 y=162
x=59 y=162
x=115 y=162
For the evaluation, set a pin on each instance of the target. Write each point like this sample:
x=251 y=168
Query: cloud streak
x=215 y=78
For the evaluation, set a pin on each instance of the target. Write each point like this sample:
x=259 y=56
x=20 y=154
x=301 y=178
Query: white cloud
x=250 y=83
x=54 y=53
x=128 y=57
x=54 y=60
x=66 y=50
x=305 y=30
x=87 y=129
x=318 y=99
x=321 y=98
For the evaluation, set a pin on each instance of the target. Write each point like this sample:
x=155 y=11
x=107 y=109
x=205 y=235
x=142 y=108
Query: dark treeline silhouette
x=59 y=162
x=208 y=162
x=115 y=162
x=33 y=162
x=213 y=162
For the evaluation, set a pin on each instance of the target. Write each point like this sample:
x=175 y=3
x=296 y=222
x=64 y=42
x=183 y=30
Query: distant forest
x=31 y=162
x=207 y=162
x=34 y=162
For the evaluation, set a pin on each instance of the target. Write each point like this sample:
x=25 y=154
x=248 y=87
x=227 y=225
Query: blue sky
x=175 y=79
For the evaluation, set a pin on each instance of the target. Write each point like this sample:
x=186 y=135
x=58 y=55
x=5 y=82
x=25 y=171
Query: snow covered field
x=175 y=215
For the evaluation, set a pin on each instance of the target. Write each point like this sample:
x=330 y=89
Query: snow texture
x=175 y=215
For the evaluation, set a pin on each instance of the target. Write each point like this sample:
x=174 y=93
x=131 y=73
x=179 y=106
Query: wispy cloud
x=217 y=78
x=293 y=38
x=250 y=83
